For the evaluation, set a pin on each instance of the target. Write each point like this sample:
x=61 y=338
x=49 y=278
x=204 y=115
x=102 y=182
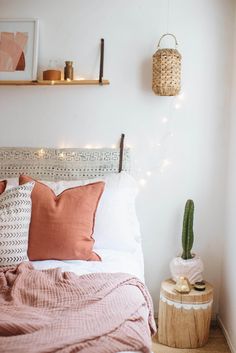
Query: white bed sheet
x=112 y=261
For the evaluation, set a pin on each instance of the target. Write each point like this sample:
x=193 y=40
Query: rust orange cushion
x=61 y=226
x=3 y=185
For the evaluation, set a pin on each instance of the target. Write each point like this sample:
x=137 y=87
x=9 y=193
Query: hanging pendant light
x=166 y=76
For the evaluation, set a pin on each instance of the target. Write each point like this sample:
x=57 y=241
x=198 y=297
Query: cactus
x=187 y=233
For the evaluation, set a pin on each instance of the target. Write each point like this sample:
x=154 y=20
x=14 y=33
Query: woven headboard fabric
x=61 y=164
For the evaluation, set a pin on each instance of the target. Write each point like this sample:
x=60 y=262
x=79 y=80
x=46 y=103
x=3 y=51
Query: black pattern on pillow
x=15 y=215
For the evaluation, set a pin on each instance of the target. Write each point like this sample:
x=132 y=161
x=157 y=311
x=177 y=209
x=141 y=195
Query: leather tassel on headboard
x=121 y=152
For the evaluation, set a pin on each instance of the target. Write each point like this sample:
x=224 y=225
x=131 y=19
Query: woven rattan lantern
x=166 y=76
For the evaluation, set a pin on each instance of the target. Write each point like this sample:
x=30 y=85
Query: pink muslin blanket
x=51 y=311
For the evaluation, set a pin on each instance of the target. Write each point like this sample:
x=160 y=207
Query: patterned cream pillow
x=15 y=214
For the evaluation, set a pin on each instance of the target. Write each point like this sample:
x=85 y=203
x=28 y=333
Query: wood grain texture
x=54 y=83
x=194 y=297
x=184 y=319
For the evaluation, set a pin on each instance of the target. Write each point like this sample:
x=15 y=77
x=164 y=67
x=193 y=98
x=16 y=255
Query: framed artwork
x=18 y=49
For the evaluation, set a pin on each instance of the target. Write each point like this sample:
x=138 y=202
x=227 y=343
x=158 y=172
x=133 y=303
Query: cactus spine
x=187 y=233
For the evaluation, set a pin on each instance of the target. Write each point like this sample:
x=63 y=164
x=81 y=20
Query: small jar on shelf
x=68 y=71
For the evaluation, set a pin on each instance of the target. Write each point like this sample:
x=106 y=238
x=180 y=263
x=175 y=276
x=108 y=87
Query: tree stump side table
x=184 y=319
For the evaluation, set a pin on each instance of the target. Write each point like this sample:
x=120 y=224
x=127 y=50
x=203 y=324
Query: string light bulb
x=164 y=120
x=177 y=106
x=165 y=162
x=181 y=96
x=142 y=182
x=41 y=152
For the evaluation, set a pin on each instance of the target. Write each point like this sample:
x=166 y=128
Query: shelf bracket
x=101 y=62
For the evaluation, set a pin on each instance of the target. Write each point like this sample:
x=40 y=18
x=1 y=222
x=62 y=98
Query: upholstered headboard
x=61 y=164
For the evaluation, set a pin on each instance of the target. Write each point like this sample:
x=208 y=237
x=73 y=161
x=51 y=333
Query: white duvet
x=112 y=261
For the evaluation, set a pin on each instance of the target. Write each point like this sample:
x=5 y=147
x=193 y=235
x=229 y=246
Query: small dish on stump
x=200 y=286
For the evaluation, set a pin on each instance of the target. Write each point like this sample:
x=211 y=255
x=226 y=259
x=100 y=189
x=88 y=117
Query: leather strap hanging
x=121 y=152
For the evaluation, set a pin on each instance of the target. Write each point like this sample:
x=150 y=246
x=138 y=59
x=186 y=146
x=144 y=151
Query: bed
x=120 y=270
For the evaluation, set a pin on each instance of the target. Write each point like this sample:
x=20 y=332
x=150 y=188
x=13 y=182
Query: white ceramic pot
x=192 y=269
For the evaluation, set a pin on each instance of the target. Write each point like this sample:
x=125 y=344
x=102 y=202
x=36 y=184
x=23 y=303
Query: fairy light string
x=161 y=146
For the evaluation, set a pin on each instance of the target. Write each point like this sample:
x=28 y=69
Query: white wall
x=227 y=307
x=77 y=116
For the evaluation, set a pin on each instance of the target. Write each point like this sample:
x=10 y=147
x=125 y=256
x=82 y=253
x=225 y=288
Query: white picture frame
x=18 y=49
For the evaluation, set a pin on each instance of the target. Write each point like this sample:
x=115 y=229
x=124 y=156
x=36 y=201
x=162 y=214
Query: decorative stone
x=182 y=285
x=192 y=269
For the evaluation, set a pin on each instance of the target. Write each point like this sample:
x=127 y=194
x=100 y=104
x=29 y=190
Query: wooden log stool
x=184 y=319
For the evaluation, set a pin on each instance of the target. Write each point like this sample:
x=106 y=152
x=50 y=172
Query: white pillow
x=15 y=214
x=11 y=182
x=116 y=224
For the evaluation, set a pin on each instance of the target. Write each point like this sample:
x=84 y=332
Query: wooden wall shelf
x=54 y=83
x=99 y=82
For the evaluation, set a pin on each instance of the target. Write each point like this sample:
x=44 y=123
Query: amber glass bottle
x=68 y=71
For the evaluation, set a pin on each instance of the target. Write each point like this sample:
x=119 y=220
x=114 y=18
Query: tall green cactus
x=187 y=233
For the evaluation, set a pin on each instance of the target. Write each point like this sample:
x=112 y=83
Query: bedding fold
x=55 y=311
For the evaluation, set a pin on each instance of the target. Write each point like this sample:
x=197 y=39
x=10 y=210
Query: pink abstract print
x=12 y=51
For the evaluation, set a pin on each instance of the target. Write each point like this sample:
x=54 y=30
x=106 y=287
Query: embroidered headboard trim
x=61 y=164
